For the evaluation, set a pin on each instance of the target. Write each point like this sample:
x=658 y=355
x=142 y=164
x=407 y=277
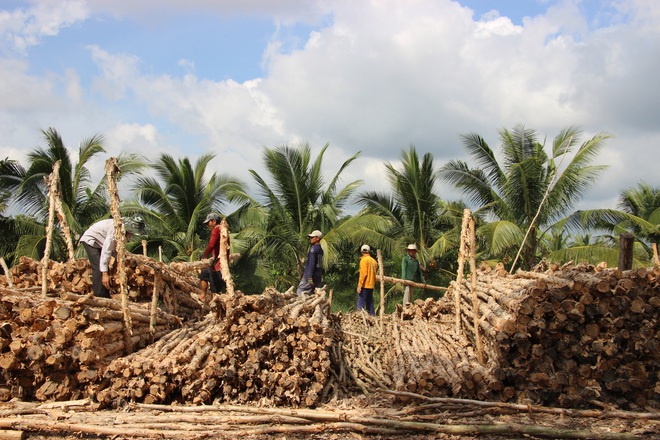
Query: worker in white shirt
x=99 y=243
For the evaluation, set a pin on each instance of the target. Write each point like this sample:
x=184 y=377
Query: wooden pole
x=61 y=217
x=381 y=278
x=10 y=282
x=52 y=182
x=158 y=279
x=111 y=170
x=626 y=243
x=224 y=256
x=144 y=247
x=461 y=267
x=473 y=287
x=411 y=283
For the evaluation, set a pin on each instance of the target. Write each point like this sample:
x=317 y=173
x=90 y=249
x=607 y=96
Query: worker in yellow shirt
x=367 y=281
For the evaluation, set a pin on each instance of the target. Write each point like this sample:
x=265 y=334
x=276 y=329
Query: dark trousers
x=366 y=300
x=94 y=255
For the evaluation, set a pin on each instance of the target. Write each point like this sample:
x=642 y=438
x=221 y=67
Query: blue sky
x=233 y=77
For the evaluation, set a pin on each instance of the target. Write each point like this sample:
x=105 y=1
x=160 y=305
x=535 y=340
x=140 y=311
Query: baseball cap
x=412 y=247
x=315 y=233
x=365 y=248
x=211 y=216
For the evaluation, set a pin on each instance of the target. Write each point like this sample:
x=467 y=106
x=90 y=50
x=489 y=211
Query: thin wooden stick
x=538 y=211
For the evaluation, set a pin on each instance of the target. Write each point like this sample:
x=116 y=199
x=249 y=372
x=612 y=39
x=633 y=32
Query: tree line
x=522 y=197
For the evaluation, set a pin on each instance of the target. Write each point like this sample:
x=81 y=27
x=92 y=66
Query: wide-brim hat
x=411 y=247
x=135 y=225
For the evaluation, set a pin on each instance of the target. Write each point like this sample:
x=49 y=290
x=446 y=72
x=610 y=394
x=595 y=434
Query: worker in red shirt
x=210 y=276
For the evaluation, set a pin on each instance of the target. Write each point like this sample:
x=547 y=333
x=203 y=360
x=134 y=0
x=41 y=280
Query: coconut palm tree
x=643 y=204
x=528 y=190
x=296 y=201
x=83 y=200
x=411 y=211
x=175 y=202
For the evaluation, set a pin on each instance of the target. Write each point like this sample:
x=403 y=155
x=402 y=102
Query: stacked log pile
x=273 y=347
x=417 y=355
x=176 y=284
x=572 y=336
x=52 y=348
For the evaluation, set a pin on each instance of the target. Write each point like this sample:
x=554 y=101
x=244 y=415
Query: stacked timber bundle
x=417 y=355
x=572 y=336
x=176 y=284
x=52 y=348
x=274 y=347
x=428 y=309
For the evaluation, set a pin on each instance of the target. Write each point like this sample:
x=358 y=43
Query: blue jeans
x=366 y=300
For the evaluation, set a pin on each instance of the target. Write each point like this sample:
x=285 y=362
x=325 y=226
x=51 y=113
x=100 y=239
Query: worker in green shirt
x=411 y=271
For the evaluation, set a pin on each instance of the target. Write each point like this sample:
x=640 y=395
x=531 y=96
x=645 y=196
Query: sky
x=234 y=77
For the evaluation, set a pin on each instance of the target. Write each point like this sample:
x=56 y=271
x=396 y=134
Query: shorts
x=216 y=283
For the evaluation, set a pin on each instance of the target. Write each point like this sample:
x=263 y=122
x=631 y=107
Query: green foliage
x=176 y=201
x=528 y=190
x=293 y=202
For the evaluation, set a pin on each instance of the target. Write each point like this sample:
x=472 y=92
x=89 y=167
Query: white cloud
x=25 y=27
x=379 y=77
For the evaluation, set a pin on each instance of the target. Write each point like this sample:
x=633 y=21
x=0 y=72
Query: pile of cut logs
x=415 y=355
x=573 y=336
x=176 y=284
x=273 y=347
x=569 y=336
x=54 y=347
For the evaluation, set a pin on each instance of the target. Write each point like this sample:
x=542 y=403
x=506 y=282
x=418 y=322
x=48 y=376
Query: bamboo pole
x=52 y=182
x=111 y=170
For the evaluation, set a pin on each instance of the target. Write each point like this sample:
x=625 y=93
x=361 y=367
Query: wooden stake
x=61 y=217
x=461 y=267
x=158 y=276
x=52 y=182
x=381 y=278
x=224 y=256
x=473 y=288
x=10 y=282
x=111 y=170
